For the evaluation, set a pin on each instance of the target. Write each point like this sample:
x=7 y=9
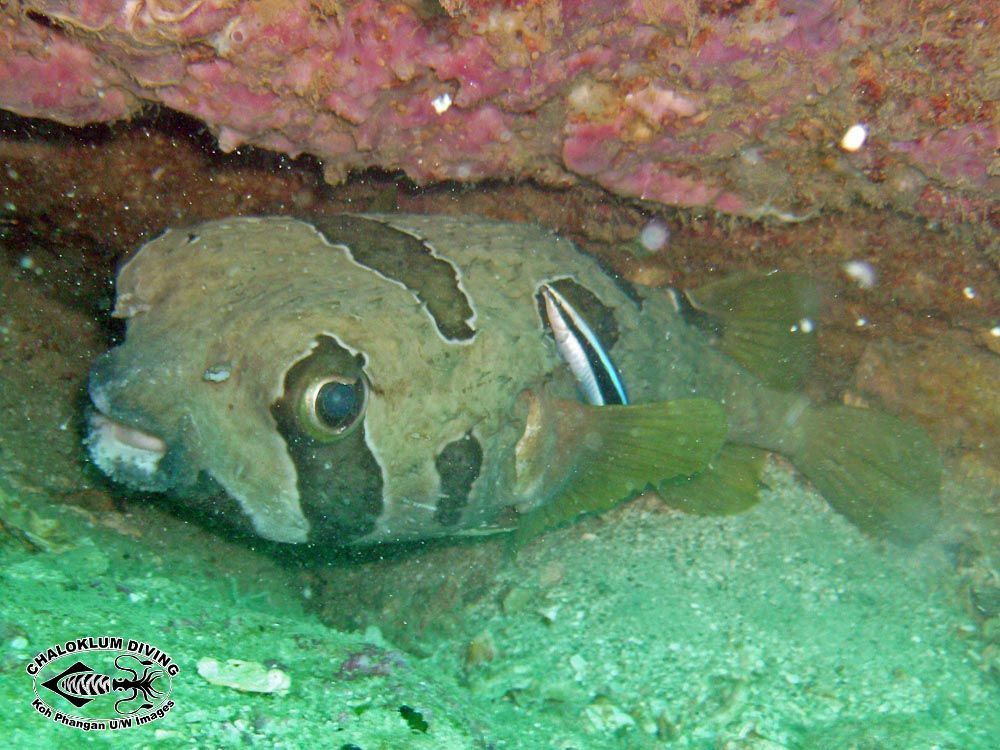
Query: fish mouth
x=125 y=453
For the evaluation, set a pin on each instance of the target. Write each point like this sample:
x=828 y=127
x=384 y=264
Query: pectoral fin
x=619 y=451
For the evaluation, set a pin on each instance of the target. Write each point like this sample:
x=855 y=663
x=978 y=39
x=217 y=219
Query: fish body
x=362 y=379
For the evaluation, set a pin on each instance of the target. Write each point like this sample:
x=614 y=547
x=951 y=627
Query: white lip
x=129 y=436
x=113 y=445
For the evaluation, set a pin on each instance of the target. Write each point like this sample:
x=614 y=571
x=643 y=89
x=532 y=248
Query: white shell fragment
x=854 y=138
x=246 y=676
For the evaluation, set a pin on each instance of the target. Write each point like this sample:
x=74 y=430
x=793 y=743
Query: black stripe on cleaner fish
x=359 y=379
x=582 y=350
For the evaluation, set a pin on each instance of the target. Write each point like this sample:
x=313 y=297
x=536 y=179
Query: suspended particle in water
x=861 y=272
x=654 y=236
x=441 y=103
x=854 y=138
x=803 y=326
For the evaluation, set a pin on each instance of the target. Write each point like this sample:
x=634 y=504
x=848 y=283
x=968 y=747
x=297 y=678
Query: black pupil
x=336 y=404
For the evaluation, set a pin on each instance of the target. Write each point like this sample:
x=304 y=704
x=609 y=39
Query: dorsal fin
x=767 y=323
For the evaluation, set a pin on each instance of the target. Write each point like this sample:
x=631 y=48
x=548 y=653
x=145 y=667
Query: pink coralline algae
x=732 y=106
x=370 y=662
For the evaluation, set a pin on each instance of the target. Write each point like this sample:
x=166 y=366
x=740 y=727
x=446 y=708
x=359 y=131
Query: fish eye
x=333 y=406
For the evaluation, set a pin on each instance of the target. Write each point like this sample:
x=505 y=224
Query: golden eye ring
x=333 y=406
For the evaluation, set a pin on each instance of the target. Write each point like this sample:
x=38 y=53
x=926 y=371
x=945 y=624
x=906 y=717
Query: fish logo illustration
x=79 y=684
x=102 y=683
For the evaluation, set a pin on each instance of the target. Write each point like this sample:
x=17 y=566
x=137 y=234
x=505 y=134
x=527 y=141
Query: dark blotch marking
x=694 y=317
x=599 y=316
x=408 y=260
x=458 y=464
x=340 y=482
x=206 y=502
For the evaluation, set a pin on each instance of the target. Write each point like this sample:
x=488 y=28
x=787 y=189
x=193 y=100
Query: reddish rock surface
x=732 y=106
x=945 y=382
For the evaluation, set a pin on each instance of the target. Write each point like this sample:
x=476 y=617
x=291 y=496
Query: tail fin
x=882 y=473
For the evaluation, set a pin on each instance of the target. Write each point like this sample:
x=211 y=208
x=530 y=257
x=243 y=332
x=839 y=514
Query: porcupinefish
x=355 y=379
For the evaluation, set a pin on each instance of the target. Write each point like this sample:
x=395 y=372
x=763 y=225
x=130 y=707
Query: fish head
x=160 y=425
x=311 y=393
